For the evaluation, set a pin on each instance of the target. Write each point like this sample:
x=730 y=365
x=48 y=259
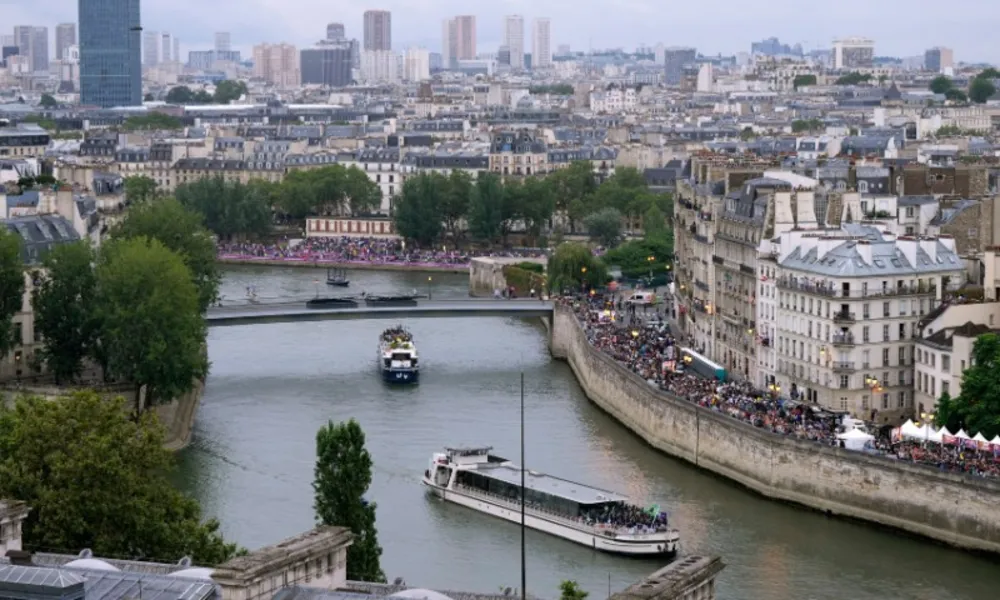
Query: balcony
x=843 y=317
x=842 y=366
x=829 y=290
x=843 y=339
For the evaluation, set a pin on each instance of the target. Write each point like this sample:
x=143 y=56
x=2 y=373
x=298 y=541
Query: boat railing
x=559 y=517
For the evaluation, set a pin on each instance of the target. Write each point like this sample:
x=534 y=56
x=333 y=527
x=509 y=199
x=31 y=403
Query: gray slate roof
x=39 y=233
x=887 y=260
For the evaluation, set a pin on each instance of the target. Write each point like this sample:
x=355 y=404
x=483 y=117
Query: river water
x=272 y=386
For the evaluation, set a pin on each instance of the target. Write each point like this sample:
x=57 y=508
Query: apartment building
x=23 y=141
x=383 y=167
x=849 y=304
x=277 y=64
x=517 y=153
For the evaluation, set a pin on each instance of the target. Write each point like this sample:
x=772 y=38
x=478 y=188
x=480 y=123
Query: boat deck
x=547 y=484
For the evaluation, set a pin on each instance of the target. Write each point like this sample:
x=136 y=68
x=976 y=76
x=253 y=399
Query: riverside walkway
x=290 y=312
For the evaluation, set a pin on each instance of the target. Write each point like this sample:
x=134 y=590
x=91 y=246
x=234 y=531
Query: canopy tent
x=996 y=440
x=962 y=435
x=855 y=439
x=979 y=438
x=911 y=431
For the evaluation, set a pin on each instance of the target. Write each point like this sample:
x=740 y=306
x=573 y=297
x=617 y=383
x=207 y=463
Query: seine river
x=272 y=386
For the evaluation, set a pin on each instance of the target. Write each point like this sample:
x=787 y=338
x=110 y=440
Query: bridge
x=290 y=312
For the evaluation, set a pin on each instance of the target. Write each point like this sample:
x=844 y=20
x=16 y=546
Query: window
x=844 y=380
x=885 y=357
x=945 y=363
x=963 y=365
x=944 y=387
x=885 y=401
x=18 y=333
x=902 y=399
x=864 y=334
x=885 y=309
x=902 y=378
x=863 y=187
x=902 y=331
x=865 y=311
x=902 y=355
x=910 y=212
x=885 y=333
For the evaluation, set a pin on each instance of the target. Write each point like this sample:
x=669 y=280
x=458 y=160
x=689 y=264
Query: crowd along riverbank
x=947 y=507
x=418 y=267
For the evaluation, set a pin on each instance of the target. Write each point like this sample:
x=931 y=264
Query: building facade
x=110 y=69
x=853 y=53
x=938 y=59
x=328 y=65
x=541 y=47
x=378 y=30
x=513 y=27
x=674 y=62
x=65 y=37
x=518 y=153
x=277 y=64
x=335 y=32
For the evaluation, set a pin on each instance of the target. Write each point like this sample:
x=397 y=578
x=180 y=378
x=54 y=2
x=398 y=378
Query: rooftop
x=547 y=484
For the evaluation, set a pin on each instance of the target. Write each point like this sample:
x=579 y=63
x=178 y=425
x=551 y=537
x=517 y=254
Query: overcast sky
x=899 y=27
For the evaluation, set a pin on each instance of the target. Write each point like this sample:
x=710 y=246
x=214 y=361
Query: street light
x=928 y=418
x=429 y=296
x=651 y=259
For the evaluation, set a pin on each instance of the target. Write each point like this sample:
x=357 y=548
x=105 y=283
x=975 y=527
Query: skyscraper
x=378 y=30
x=465 y=36
x=110 y=69
x=514 y=40
x=938 y=59
x=166 y=45
x=177 y=49
x=65 y=37
x=335 y=31
x=449 y=43
x=277 y=64
x=328 y=64
x=674 y=61
x=541 y=45
x=40 y=49
x=150 y=48
x=222 y=41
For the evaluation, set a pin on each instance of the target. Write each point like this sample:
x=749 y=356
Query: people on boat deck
x=396 y=333
x=626 y=516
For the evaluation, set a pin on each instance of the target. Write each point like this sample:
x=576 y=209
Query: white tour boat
x=397 y=356
x=577 y=512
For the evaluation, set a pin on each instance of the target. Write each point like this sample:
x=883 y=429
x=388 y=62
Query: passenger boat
x=600 y=519
x=397 y=356
x=337 y=277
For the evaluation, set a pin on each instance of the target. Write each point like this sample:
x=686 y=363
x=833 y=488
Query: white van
x=641 y=298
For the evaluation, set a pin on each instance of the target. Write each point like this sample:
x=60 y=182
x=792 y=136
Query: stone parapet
x=948 y=507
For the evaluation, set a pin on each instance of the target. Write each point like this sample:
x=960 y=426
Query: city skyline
x=729 y=30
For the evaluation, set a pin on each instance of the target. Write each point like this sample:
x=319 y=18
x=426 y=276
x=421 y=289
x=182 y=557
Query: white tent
x=855 y=439
x=962 y=435
x=996 y=440
x=935 y=435
x=911 y=431
x=979 y=438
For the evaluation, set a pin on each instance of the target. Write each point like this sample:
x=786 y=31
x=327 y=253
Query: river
x=271 y=387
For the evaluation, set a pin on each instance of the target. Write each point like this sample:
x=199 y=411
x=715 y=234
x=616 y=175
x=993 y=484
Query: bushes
x=524 y=280
x=531 y=266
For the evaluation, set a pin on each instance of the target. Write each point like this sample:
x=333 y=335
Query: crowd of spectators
x=346 y=250
x=620 y=515
x=642 y=342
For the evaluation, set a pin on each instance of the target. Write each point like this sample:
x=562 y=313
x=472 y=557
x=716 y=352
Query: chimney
x=12 y=516
x=19 y=558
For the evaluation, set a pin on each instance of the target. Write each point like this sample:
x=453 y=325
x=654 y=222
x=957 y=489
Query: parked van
x=642 y=298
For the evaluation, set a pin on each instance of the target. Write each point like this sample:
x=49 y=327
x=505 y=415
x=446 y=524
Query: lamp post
x=927 y=418
x=583 y=278
x=651 y=259
x=429 y=279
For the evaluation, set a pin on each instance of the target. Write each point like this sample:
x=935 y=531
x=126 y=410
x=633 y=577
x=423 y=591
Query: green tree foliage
x=180 y=94
x=64 y=303
x=571 y=187
x=654 y=222
x=803 y=125
x=558 y=89
x=453 y=202
x=153 y=120
x=416 y=209
x=803 y=80
x=605 y=226
x=982 y=88
x=572 y=266
x=179 y=230
x=747 y=134
x=327 y=190
x=152 y=332
x=342 y=477
x=11 y=287
x=139 y=188
x=633 y=257
x=229 y=90
x=977 y=408
x=44 y=123
x=47 y=101
x=570 y=590
x=230 y=209
x=97 y=479
x=853 y=78
x=941 y=84
x=537 y=205
x=487 y=213
x=956 y=95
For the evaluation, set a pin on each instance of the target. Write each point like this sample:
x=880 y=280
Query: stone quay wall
x=951 y=508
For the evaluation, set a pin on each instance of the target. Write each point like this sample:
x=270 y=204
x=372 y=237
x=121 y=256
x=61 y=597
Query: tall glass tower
x=110 y=44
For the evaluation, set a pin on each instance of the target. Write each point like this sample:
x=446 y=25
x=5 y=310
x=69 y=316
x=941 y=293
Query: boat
x=397 y=356
x=331 y=303
x=597 y=518
x=400 y=300
x=337 y=277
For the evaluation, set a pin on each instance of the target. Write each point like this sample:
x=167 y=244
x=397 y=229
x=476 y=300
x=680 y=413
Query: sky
x=899 y=27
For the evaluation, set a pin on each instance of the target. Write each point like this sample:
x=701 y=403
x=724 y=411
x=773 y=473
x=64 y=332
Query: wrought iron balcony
x=842 y=366
x=843 y=317
x=843 y=339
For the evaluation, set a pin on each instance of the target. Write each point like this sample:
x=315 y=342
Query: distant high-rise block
x=40 y=49
x=110 y=68
x=514 y=40
x=853 y=53
x=541 y=48
x=328 y=65
x=674 y=61
x=166 y=47
x=938 y=59
x=465 y=37
x=335 y=31
x=65 y=37
x=417 y=65
x=277 y=64
x=177 y=49
x=150 y=48
x=378 y=30
x=223 y=42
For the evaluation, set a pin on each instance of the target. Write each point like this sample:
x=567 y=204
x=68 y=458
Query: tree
x=956 y=95
x=152 y=331
x=977 y=408
x=486 y=210
x=139 y=188
x=981 y=89
x=228 y=90
x=342 y=476
x=801 y=125
x=148 y=98
x=537 y=207
x=633 y=257
x=941 y=84
x=453 y=203
x=64 y=304
x=231 y=209
x=97 y=479
x=11 y=288
x=153 y=120
x=202 y=97
x=803 y=80
x=605 y=226
x=853 y=78
x=570 y=590
x=653 y=222
x=47 y=101
x=570 y=187
x=363 y=195
x=747 y=134
x=572 y=266
x=415 y=210
x=180 y=94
